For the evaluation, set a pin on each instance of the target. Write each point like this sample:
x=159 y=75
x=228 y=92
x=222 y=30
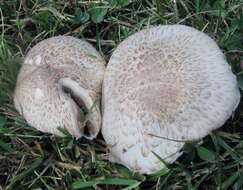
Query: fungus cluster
x=162 y=86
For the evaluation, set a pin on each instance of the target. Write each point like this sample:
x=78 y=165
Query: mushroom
x=164 y=86
x=59 y=86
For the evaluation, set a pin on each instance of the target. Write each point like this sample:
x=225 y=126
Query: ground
x=30 y=159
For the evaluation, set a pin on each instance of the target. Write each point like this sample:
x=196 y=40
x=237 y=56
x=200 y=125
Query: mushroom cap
x=59 y=85
x=164 y=86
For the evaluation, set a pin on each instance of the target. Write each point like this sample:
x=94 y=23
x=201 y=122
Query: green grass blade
x=109 y=181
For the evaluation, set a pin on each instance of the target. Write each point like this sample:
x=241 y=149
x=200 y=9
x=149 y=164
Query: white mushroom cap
x=59 y=81
x=164 y=86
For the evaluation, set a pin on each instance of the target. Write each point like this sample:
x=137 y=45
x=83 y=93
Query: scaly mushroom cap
x=59 y=85
x=164 y=86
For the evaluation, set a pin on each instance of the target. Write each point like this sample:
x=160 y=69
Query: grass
x=32 y=160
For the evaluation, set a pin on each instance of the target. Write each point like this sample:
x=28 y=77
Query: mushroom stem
x=83 y=100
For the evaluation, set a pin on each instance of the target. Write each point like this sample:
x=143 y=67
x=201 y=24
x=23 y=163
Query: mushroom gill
x=59 y=85
x=164 y=86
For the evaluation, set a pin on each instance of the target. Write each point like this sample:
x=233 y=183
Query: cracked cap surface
x=163 y=86
x=59 y=81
